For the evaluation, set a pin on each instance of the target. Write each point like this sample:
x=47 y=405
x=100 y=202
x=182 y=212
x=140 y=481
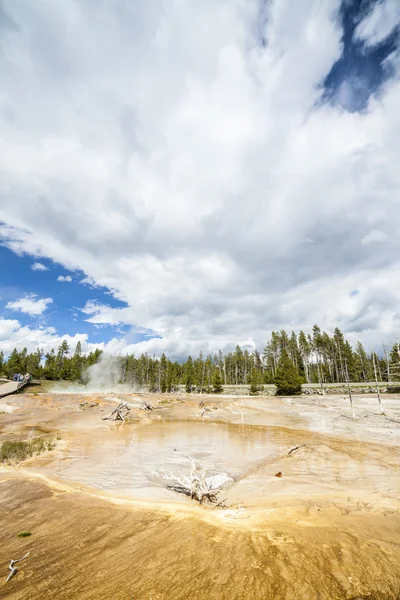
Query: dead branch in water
x=13 y=569
x=197 y=485
x=118 y=414
x=201 y=403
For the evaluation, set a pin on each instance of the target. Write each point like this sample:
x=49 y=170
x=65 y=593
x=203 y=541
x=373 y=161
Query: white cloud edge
x=37 y=266
x=221 y=129
x=30 y=304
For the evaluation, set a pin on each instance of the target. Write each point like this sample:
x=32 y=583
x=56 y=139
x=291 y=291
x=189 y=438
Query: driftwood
x=89 y=404
x=197 y=485
x=118 y=414
x=205 y=410
x=145 y=406
x=221 y=504
x=201 y=403
x=13 y=569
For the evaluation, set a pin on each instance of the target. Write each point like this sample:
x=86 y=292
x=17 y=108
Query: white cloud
x=187 y=166
x=14 y=335
x=37 y=266
x=379 y=23
x=30 y=305
x=64 y=278
x=105 y=315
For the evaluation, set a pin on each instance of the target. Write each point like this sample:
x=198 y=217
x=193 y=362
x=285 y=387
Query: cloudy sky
x=179 y=175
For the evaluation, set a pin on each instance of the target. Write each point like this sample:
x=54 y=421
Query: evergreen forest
x=315 y=358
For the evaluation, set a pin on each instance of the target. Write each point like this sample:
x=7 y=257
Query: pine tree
x=50 y=367
x=163 y=374
x=153 y=385
x=189 y=375
x=287 y=379
x=304 y=349
x=217 y=381
x=62 y=365
x=76 y=363
x=254 y=382
x=395 y=363
x=14 y=364
x=33 y=364
x=23 y=358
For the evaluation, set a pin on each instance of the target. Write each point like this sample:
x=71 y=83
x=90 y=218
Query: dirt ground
x=104 y=526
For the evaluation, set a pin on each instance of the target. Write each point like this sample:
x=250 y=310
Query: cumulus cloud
x=64 y=278
x=101 y=314
x=181 y=157
x=30 y=304
x=37 y=266
x=14 y=335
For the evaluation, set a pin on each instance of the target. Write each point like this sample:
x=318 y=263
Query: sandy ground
x=104 y=526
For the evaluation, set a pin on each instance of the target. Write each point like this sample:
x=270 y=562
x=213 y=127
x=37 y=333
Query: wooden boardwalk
x=11 y=387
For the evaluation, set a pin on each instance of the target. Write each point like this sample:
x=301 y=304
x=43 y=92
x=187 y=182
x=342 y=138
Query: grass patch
x=24 y=534
x=12 y=452
x=169 y=401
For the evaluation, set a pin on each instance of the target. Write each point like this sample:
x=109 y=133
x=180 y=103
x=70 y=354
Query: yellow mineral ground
x=104 y=526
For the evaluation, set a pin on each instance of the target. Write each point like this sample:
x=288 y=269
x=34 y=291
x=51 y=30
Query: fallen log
x=118 y=414
x=296 y=448
x=145 y=406
x=89 y=404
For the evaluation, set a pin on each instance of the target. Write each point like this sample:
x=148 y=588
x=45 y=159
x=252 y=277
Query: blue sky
x=19 y=279
x=204 y=173
x=362 y=67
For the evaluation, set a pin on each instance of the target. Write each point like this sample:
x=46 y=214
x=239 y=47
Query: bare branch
x=13 y=570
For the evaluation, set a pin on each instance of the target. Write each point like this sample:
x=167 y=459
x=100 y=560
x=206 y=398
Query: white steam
x=102 y=378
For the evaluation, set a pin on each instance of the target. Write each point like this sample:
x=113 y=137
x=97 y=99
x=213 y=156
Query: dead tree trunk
x=118 y=414
x=197 y=485
x=349 y=390
x=377 y=386
x=145 y=406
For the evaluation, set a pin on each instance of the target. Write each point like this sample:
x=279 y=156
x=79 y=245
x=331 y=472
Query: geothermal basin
x=105 y=525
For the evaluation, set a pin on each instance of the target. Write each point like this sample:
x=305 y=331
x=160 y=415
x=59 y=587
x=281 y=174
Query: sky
x=178 y=176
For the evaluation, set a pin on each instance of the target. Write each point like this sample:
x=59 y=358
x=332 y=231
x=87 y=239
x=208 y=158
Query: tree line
x=60 y=365
x=316 y=358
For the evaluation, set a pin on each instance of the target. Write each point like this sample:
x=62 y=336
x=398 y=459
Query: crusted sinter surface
x=103 y=527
